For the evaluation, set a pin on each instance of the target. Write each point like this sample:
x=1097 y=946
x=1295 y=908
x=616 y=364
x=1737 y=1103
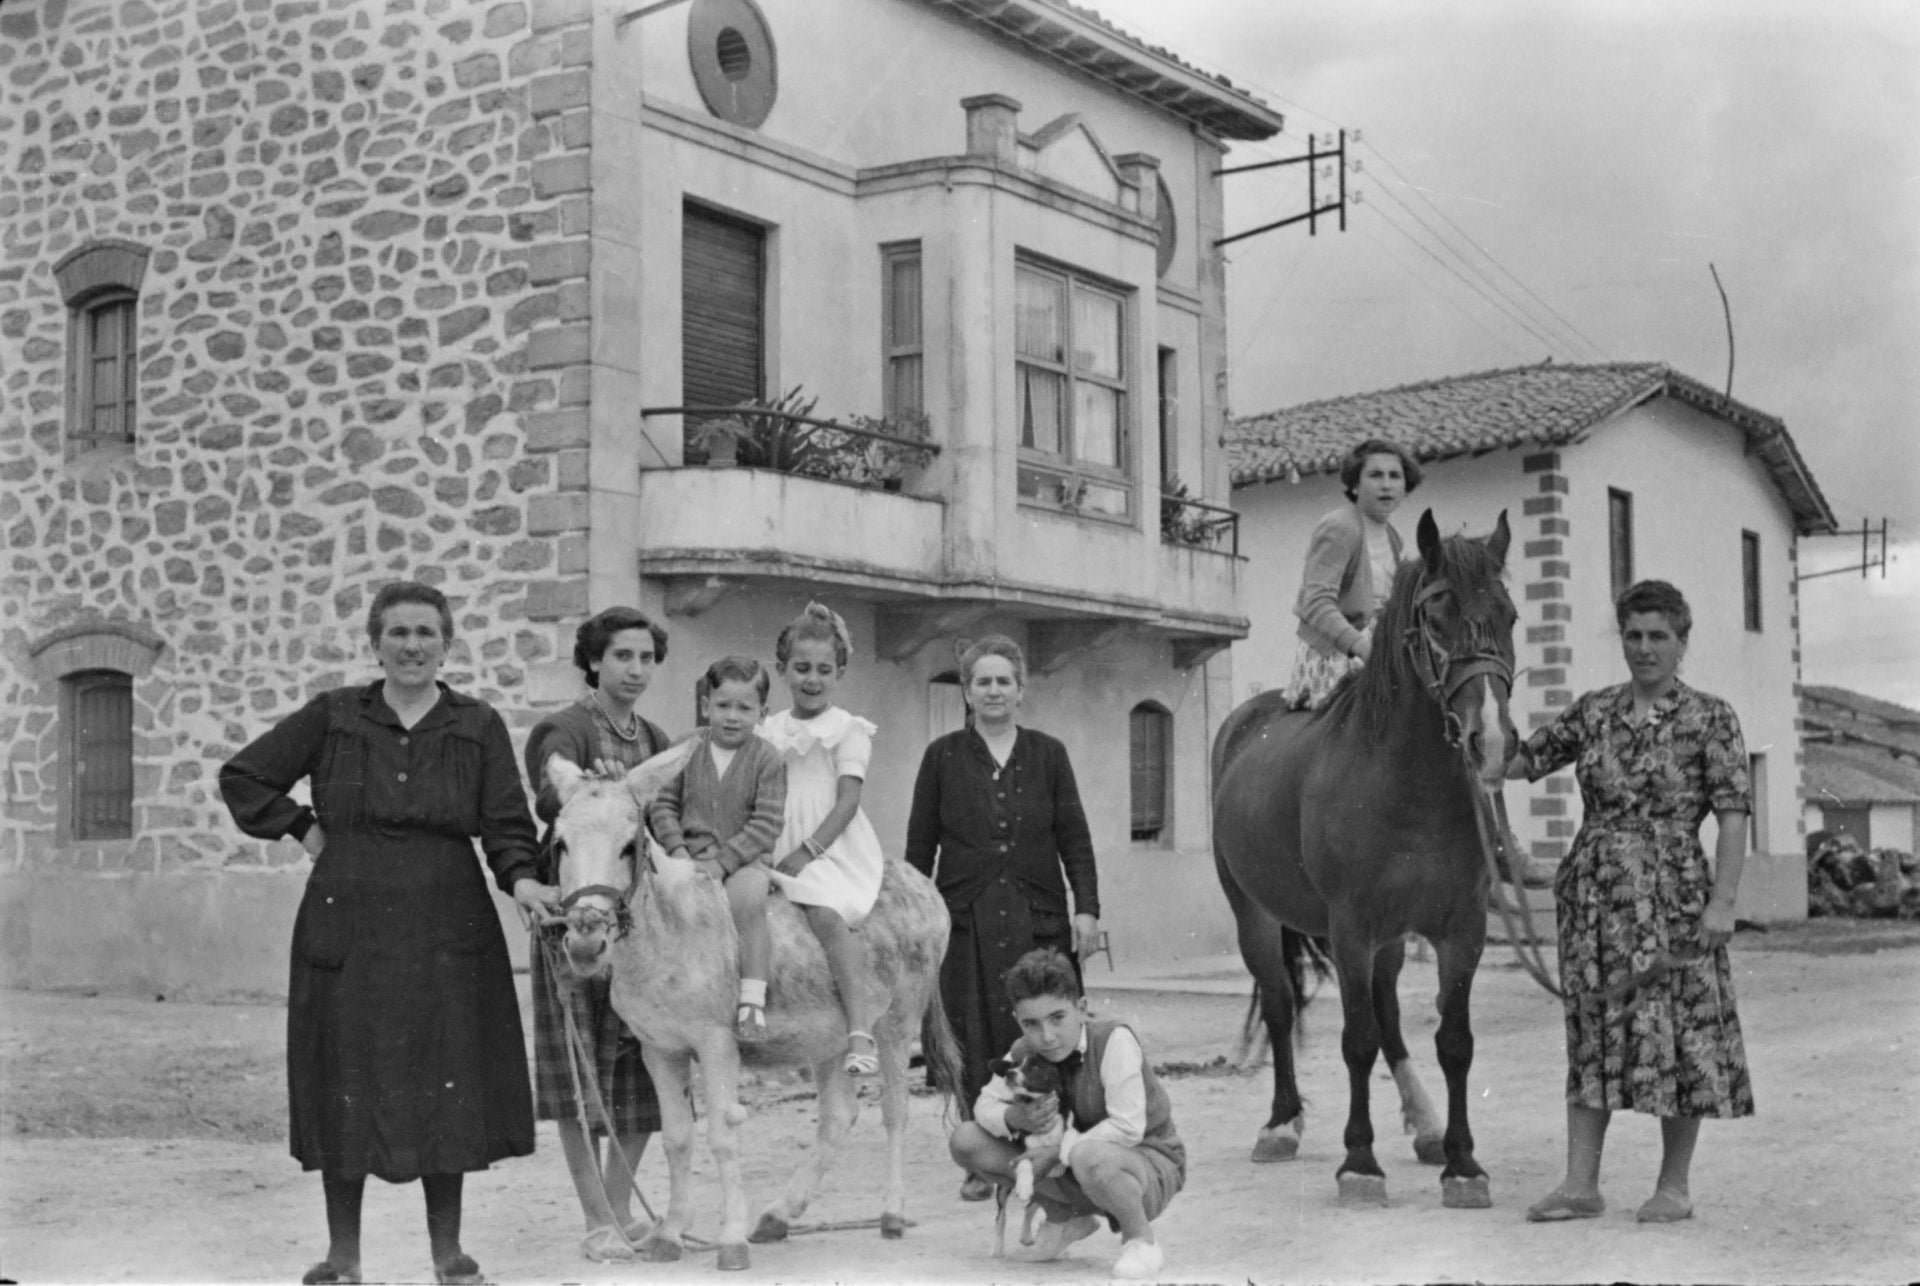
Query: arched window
x=100 y=283
x=1150 y=760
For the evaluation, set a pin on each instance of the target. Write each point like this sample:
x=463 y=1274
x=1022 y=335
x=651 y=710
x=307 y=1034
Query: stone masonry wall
x=362 y=346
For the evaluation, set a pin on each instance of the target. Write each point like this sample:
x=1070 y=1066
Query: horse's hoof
x=659 y=1250
x=1278 y=1143
x=1466 y=1194
x=734 y=1256
x=1363 y=1189
x=1430 y=1148
x=893 y=1227
x=770 y=1228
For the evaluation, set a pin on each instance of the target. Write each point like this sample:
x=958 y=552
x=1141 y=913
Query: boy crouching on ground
x=1120 y=1156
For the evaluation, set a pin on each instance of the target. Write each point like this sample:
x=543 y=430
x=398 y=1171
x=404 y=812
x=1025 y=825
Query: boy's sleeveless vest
x=1089 y=1095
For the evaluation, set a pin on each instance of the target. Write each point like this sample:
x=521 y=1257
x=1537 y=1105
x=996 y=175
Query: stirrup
x=750 y=1023
x=857 y=1063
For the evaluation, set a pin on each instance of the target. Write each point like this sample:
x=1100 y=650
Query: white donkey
x=665 y=931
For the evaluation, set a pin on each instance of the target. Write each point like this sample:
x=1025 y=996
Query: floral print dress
x=1634 y=888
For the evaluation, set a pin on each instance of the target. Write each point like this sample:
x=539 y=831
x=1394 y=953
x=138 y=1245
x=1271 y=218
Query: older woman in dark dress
x=997 y=822
x=405 y=1058
x=1644 y=919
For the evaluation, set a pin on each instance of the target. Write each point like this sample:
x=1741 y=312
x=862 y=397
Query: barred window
x=100 y=754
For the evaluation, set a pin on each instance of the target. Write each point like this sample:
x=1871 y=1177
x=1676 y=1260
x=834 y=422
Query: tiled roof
x=1545 y=406
x=1088 y=42
x=1868 y=707
x=1854 y=775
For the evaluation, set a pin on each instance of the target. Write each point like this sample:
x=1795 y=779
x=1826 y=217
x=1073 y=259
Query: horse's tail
x=1301 y=953
x=941 y=1050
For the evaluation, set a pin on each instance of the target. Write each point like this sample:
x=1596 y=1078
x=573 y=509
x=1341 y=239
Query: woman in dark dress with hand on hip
x=997 y=822
x=405 y=1058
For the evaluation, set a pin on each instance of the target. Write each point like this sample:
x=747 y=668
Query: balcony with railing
x=772 y=493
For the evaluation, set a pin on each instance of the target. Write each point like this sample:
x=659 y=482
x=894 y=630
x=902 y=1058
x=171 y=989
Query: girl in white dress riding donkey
x=828 y=860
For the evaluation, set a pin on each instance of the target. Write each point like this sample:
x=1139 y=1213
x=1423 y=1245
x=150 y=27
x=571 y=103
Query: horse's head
x=599 y=841
x=1458 y=624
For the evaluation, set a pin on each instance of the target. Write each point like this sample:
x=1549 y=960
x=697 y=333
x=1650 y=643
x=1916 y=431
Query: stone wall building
x=302 y=296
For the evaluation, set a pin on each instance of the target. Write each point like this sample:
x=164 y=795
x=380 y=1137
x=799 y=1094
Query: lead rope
x=1528 y=950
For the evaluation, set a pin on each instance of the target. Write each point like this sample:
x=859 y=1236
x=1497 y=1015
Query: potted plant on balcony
x=720 y=440
x=888 y=465
x=1176 y=526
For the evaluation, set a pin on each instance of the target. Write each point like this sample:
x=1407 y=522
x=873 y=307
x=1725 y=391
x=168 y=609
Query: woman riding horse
x=1360 y=822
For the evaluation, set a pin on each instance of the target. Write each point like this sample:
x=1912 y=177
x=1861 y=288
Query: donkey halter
x=1441 y=671
x=619 y=917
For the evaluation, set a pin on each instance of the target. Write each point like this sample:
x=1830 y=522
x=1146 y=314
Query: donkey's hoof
x=770 y=1228
x=1363 y=1189
x=734 y=1256
x=1465 y=1193
x=893 y=1227
x=1431 y=1148
x=659 y=1250
x=1278 y=1143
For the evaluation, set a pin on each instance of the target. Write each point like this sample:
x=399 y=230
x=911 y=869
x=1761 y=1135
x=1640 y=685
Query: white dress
x=818 y=752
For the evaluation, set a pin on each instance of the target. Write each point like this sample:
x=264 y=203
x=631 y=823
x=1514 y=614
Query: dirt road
x=145 y=1143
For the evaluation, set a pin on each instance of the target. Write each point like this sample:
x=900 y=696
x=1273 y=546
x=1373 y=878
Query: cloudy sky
x=1553 y=178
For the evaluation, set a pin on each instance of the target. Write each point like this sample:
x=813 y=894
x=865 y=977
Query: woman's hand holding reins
x=537 y=901
x=1363 y=646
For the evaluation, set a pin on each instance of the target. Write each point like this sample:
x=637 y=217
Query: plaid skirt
x=624 y=1082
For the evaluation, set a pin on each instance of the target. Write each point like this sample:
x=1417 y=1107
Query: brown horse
x=1356 y=822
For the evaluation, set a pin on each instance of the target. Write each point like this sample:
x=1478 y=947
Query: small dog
x=1031 y=1079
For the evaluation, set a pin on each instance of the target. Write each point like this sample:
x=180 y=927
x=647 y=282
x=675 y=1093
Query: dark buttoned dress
x=1003 y=843
x=405 y=1055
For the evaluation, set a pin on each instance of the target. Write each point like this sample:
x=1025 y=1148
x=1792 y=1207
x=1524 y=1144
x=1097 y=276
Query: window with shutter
x=722 y=309
x=1150 y=765
x=101 y=755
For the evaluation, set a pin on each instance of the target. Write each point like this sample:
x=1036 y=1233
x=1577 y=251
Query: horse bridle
x=1443 y=673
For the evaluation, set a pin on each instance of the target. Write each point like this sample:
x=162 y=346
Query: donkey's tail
x=941 y=1050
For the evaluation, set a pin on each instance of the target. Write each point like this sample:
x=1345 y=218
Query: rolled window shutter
x=722 y=309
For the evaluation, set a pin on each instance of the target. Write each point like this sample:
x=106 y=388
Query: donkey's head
x=599 y=841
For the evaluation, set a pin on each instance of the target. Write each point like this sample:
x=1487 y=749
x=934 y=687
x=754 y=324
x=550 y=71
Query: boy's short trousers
x=1160 y=1178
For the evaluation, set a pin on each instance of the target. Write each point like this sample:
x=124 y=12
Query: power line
x=1445 y=299
x=1499 y=306
x=1598 y=351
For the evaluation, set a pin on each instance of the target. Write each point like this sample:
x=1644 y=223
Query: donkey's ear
x=960 y=649
x=1497 y=542
x=566 y=777
x=650 y=778
x=1427 y=537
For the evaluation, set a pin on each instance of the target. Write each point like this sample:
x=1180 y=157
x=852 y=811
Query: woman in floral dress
x=1644 y=919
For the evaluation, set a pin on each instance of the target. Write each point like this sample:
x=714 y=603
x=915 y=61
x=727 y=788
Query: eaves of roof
x=1545 y=406
x=1845 y=775
x=1087 y=42
x=1884 y=712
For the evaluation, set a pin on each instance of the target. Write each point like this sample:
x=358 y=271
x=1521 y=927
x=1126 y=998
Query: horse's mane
x=1388 y=681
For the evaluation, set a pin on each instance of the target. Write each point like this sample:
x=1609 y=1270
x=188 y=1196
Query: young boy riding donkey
x=1119 y=1156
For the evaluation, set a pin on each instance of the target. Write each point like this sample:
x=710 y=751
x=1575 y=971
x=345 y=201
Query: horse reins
x=1443 y=675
